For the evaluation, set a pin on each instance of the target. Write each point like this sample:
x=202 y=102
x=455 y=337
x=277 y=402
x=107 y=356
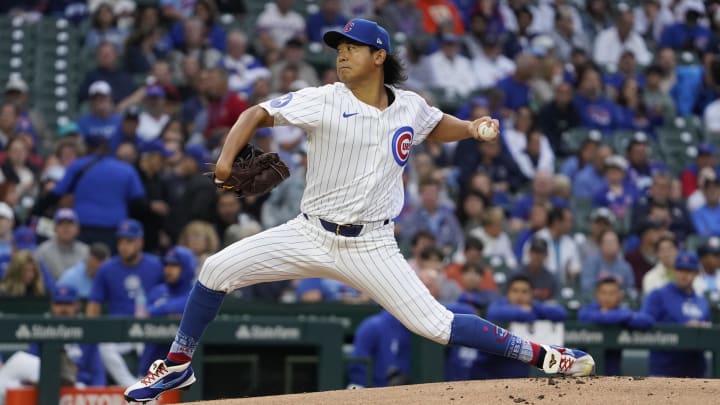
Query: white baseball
x=487 y=132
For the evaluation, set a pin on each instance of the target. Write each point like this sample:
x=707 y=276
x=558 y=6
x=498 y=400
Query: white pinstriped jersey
x=356 y=152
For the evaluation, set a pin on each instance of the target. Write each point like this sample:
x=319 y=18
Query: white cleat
x=572 y=362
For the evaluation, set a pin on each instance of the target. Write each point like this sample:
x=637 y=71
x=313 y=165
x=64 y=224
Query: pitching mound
x=551 y=391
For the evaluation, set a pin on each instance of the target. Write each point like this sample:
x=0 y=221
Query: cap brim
x=333 y=38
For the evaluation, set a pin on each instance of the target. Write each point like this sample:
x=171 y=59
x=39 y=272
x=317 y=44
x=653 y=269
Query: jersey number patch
x=401 y=143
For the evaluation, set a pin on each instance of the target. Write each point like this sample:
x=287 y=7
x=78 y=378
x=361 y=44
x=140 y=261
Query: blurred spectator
x=7 y=222
x=537 y=221
x=29 y=119
x=24 y=277
x=596 y=110
x=657 y=101
x=563 y=258
x=608 y=310
x=127 y=152
x=708 y=279
x=224 y=106
x=211 y=33
x=401 y=16
x=626 y=70
x=644 y=256
x=284 y=201
x=276 y=25
x=584 y=156
x=641 y=169
x=195 y=45
x=677 y=303
x=430 y=215
x=601 y=220
x=82 y=274
x=611 y=42
x=104 y=28
x=515 y=87
x=144 y=47
x=608 y=263
x=79 y=365
x=520 y=38
x=18 y=169
x=157 y=191
x=697 y=198
x=421 y=240
x=168 y=298
x=541 y=194
x=103 y=189
x=517 y=306
x=102 y=119
x=597 y=17
x=589 y=181
x=566 y=34
x=64 y=250
x=707 y=218
x=177 y=9
x=440 y=16
x=229 y=207
x=618 y=193
x=527 y=146
x=495 y=241
x=122 y=285
x=490 y=65
x=472 y=253
x=705 y=158
x=153 y=117
x=689 y=34
x=450 y=70
x=127 y=130
x=679 y=221
x=473 y=207
x=193 y=189
x=200 y=237
x=329 y=17
x=243 y=69
x=545 y=285
x=666 y=251
x=478 y=286
x=9 y=115
x=120 y=83
x=558 y=116
x=432 y=258
x=651 y=16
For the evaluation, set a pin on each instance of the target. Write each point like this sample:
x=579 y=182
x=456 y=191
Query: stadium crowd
x=604 y=187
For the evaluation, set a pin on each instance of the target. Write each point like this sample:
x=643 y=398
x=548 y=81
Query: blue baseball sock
x=474 y=331
x=201 y=308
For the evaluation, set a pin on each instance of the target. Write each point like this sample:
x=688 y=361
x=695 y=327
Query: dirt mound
x=551 y=391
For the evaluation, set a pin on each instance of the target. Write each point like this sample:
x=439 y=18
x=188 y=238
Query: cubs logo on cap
x=401 y=144
x=360 y=30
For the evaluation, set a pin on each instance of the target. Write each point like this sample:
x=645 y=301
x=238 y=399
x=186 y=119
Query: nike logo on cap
x=347 y=115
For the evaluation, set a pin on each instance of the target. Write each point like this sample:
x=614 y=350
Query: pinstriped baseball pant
x=371 y=263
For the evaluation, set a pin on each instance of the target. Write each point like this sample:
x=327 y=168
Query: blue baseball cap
x=65 y=294
x=198 y=153
x=706 y=149
x=24 y=238
x=362 y=31
x=130 y=229
x=65 y=214
x=154 y=146
x=687 y=261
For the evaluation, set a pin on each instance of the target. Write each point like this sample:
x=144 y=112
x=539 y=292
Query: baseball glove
x=254 y=172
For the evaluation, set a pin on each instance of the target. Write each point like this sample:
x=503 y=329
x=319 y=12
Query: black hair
x=607 y=280
x=99 y=251
x=393 y=70
x=472 y=266
x=556 y=214
x=430 y=252
x=519 y=278
x=474 y=243
x=422 y=234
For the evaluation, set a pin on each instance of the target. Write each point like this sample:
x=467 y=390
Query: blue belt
x=348 y=230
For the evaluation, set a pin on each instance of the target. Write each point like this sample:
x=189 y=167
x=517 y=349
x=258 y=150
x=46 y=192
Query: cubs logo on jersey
x=401 y=143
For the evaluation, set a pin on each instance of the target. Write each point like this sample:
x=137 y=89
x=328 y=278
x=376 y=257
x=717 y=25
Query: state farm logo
x=39 y=331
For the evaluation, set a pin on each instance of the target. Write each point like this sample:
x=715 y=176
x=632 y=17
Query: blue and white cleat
x=572 y=362
x=160 y=378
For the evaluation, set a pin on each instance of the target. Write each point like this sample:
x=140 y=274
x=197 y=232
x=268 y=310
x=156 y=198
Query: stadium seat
x=573 y=138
